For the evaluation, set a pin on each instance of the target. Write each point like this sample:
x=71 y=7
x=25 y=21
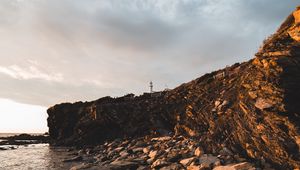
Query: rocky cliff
x=252 y=108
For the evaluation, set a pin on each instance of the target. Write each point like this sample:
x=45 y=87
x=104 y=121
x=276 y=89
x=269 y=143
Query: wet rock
x=3 y=149
x=84 y=166
x=121 y=165
x=74 y=159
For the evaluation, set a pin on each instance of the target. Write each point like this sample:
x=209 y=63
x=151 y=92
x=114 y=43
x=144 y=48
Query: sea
x=34 y=157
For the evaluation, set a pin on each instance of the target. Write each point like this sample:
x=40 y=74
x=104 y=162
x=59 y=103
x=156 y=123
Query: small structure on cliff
x=151 y=87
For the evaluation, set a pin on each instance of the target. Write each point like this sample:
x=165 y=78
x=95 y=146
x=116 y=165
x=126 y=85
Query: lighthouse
x=151 y=87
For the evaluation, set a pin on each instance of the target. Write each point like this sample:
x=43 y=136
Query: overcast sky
x=54 y=51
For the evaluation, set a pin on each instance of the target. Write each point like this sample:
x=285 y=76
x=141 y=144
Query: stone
x=252 y=94
x=159 y=163
x=208 y=160
x=142 y=168
x=120 y=165
x=83 y=166
x=146 y=150
x=173 y=166
x=263 y=104
x=257 y=62
x=194 y=167
x=150 y=161
x=3 y=149
x=187 y=161
x=119 y=149
x=123 y=153
x=239 y=166
x=153 y=154
x=164 y=138
x=198 y=152
x=74 y=159
x=173 y=157
x=217 y=103
x=137 y=150
x=225 y=152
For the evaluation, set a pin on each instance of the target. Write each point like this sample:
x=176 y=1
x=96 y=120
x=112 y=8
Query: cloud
x=67 y=50
x=31 y=72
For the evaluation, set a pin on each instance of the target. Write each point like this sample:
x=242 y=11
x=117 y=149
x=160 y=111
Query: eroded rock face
x=294 y=31
x=296 y=15
x=260 y=117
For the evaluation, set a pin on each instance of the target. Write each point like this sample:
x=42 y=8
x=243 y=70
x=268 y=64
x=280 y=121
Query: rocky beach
x=244 y=117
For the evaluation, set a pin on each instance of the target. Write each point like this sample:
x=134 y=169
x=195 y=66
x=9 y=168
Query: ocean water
x=35 y=157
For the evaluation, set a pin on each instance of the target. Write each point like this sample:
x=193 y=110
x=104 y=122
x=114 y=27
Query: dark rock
x=123 y=165
x=74 y=159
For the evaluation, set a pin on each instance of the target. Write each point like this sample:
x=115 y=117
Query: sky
x=54 y=51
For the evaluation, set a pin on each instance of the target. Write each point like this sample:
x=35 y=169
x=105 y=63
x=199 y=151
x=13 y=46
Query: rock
x=150 y=161
x=225 y=152
x=194 y=167
x=140 y=144
x=295 y=33
x=173 y=166
x=173 y=157
x=84 y=166
x=239 y=166
x=217 y=103
x=74 y=159
x=135 y=150
x=252 y=94
x=296 y=15
x=263 y=104
x=146 y=150
x=187 y=161
x=153 y=154
x=164 y=138
x=119 y=149
x=142 y=168
x=208 y=160
x=198 y=152
x=120 y=165
x=159 y=163
x=3 y=149
x=123 y=153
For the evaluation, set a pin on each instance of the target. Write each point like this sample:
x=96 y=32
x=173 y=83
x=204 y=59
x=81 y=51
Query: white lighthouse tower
x=151 y=87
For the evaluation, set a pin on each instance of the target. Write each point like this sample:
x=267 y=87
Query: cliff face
x=252 y=108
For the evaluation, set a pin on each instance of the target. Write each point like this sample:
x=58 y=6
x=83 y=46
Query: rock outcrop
x=252 y=108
